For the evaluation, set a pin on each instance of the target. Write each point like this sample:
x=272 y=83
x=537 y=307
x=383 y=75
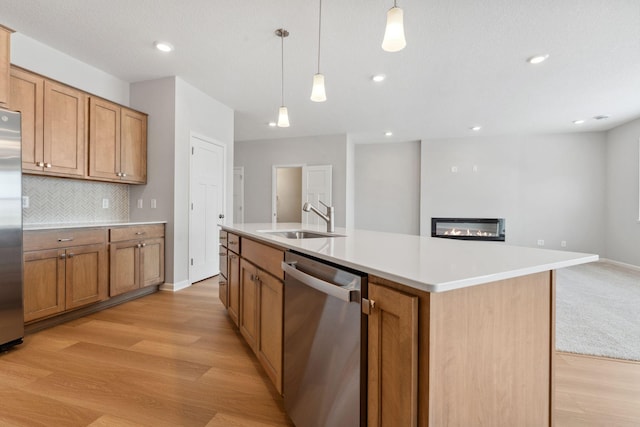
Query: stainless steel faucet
x=328 y=217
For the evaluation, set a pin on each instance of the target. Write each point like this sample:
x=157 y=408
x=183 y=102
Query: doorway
x=292 y=185
x=207 y=194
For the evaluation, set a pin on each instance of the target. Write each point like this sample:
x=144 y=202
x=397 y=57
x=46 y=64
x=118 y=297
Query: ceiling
x=464 y=64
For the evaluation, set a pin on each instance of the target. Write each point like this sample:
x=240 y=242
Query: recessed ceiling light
x=163 y=46
x=538 y=59
x=601 y=117
x=378 y=78
x=388 y=133
x=578 y=122
x=476 y=128
x=272 y=124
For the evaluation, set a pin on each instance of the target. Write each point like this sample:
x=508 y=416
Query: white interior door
x=238 y=195
x=207 y=206
x=316 y=187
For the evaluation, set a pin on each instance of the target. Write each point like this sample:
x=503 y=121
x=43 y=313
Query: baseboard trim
x=175 y=287
x=620 y=264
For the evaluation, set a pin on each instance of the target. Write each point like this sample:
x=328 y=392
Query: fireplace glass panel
x=491 y=229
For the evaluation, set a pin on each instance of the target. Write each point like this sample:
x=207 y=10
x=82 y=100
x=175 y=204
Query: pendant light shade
x=283 y=114
x=317 y=92
x=394 y=40
x=283 y=117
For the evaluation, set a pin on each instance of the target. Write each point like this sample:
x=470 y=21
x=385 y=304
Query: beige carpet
x=598 y=310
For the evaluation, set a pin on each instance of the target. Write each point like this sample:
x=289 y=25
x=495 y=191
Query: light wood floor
x=174 y=359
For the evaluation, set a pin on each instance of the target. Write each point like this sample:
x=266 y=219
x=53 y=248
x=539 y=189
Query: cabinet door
x=124 y=267
x=104 y=139
x=5 y=60
x=64 y=127
x=270 y=320
x=44 y=277
x=86 y=275
x=133 y=151
x=27 y=95
x=152 y=262
x=234 y=287
x=223 y=288
x=249 y=294
x=393 y=358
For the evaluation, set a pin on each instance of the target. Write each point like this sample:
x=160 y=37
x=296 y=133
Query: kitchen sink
x=300 y=234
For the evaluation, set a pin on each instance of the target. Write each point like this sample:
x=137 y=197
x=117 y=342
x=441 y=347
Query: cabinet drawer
x=265 y=257
x=223 y=238
x=233 y=242
x=121 y=234
x=61 y=238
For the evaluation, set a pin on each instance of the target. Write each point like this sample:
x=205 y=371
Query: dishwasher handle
x=339 y=292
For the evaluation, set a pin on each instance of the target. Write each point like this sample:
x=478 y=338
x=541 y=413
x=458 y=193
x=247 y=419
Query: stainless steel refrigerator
x=11 y=311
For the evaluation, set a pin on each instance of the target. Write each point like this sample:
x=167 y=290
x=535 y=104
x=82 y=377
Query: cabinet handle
x=139 y=245
x=233 y=257
x=118 y=173
x=140 y=232
x=40 y=164
x=123 y=174
x=63 y=256
x=144 y=244
x=70 y=255
x=48 y=165
x=67 y=239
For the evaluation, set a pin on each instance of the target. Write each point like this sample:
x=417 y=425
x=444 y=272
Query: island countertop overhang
x=424 y=263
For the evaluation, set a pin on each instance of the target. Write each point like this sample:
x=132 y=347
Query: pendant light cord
x=282 y=64
x=319 y=33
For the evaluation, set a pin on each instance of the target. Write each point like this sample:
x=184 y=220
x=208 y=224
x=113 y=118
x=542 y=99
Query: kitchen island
x=459 y=332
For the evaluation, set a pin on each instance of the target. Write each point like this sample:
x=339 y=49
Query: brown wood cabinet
x=63 y=270
x=117 y=142
x=233 y=271
x=136 y=256
x=262 y=305
x=5 y=60
x=53 y=124
x=392 y=358
x=223 y=283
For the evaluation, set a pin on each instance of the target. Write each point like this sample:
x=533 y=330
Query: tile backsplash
x=60 y=200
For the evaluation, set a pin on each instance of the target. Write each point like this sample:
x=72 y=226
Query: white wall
x=622 y=225
x=387 y=187
x=176 y=109
x=258 y=157
x=42 y=59
x=157 y=98
x=548 y=187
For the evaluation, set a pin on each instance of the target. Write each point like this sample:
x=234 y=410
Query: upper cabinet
x=117 y=142
x=53 y=124
x=67 y=132
x=5 y=60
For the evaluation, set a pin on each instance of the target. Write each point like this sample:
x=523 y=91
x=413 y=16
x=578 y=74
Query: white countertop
x=29 y=227
x=425 y=263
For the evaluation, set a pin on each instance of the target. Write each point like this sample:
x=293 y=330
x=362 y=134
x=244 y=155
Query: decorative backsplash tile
x=60 y=200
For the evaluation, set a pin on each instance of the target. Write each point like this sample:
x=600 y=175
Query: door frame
x=274 y=187
x=218 y=143
x=240 y=170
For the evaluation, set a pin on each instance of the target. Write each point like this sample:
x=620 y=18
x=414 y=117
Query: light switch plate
x=153 y=204
x=25 y=201
x=140 y=203
x=105 y=203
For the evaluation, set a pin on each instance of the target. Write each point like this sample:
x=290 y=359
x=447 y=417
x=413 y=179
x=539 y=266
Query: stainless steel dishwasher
x=324 y=343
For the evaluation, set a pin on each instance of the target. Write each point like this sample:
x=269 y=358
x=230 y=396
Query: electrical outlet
x=540 y=242
x=153 y=204
x=563 y=244
x=454 y=169
x=25 y=201
x=475 y=168
x=105 y=203
x=140 y=203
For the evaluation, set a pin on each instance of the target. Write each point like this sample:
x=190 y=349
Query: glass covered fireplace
x=491 y=229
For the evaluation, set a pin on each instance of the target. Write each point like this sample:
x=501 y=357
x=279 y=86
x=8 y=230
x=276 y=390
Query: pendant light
x=283 y=114
x=394 y=40
x=318 y=93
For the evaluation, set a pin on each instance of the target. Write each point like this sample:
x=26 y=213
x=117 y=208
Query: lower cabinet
x=392 y=358
x=64 y=278
x=136 y=258
x=233 y=270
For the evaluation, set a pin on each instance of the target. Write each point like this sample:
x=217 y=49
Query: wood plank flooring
x=175 y=359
